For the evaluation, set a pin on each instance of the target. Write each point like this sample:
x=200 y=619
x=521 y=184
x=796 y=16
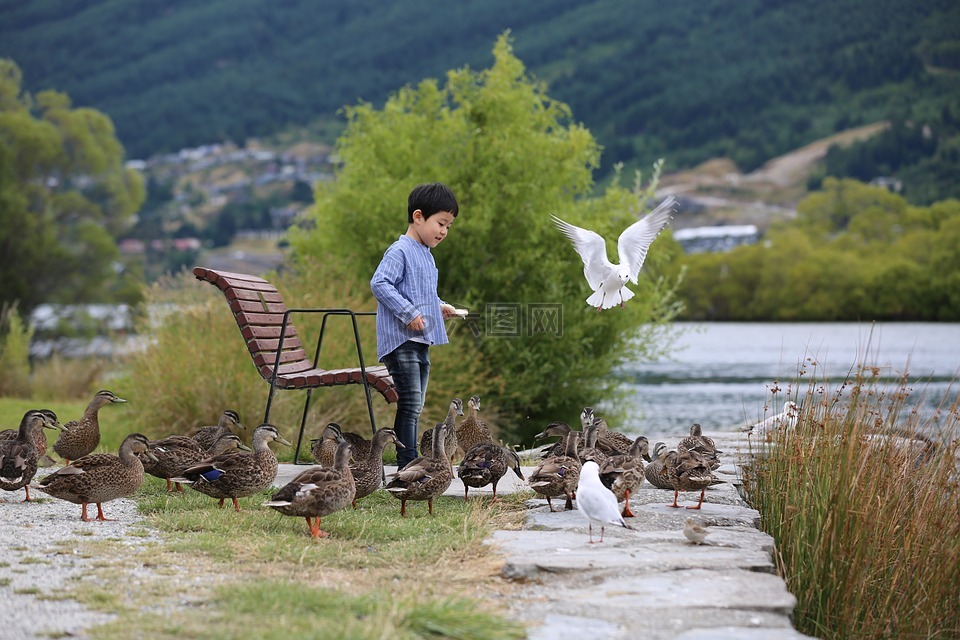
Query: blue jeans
x=409 y=365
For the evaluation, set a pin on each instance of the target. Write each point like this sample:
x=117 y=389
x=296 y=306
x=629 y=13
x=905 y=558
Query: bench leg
x=303 y=426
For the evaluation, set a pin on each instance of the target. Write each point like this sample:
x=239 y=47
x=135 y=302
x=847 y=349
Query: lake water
x=722 y=374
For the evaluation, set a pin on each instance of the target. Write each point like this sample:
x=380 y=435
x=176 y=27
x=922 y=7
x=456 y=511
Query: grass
x=867 y=532
x=258 y=574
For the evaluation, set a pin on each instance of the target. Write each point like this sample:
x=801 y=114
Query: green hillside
x=688 y=80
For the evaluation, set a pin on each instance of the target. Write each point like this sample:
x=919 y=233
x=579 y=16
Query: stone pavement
x=647 y=582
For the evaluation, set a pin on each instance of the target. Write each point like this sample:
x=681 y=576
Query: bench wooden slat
x=287 y=360
x=250 y=294
x=253 y=306
x=262 y=345
x=245 y=317
x=258 y=309
x=253 y=331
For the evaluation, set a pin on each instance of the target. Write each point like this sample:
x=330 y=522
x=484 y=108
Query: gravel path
x=39 y=558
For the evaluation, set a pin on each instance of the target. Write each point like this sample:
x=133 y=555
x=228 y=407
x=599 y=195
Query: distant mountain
x=688 y=80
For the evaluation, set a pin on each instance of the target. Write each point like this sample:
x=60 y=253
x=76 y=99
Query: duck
x=623 y=473
x=700 y=443
x=485 y=463
x=207 y=436
x=610 y=441
x=176 y=453
x=368 y=472
x=558 y=475
x=557 y=448
x=237 y=474
x=99 y=477
x=425 y=477
x=658 y=471
x=596 y=502
x=318 y=491
x=450 y=441
x=690 y=472
x=80 y=437
x=19 y=458
x=472 y=430
x=41 y=435
x=590 y=451
x=324 y=448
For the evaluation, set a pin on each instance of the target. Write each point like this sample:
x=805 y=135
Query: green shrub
x=513 y=156
x=15 y=338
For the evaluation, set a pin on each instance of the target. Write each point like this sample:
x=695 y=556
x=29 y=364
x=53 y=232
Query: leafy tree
x=512 y=156
x=64 y=197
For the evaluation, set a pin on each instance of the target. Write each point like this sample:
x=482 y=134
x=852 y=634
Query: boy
x=410 y=314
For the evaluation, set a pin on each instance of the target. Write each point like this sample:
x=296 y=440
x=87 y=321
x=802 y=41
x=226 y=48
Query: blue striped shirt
x=405 y=285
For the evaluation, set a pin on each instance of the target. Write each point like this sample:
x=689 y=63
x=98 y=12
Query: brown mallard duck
x=558 y=475
x=558 y=447
x=426 y=477
x=486 y=463
x=590 y=450
x=700 y=443
x=623 y=473
x=318 y=491
x=692 y=474
x=237 y=474
x=472 y=430
x=41 y=435
x=368 y=472
x=99 y=477
x=19 y=457
x=610 y=441
x=207 y=436
x=658 y=471
x=324 y=448
x=450 y=441
x=174 y=454
x=81 y=437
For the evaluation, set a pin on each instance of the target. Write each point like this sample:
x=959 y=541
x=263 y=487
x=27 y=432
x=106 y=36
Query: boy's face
x=430 y=231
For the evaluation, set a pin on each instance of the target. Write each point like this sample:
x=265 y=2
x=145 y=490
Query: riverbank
x=646 y=582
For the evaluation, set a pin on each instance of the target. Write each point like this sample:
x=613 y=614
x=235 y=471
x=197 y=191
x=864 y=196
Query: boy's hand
x=449 y=311
x=416 y=324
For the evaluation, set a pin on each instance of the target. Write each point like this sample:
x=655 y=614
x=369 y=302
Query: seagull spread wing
x=636 y=239
x=592 y=250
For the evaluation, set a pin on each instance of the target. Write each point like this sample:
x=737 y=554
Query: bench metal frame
x=302 y=372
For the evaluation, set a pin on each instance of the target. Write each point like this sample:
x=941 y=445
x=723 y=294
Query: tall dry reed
x=862 y=500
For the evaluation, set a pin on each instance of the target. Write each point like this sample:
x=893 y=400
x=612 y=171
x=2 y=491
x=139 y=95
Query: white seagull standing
x=786 y=419
x=597 y=503
x=608 y=280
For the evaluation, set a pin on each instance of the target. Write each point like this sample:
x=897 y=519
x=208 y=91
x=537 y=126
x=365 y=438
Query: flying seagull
x=609 y=280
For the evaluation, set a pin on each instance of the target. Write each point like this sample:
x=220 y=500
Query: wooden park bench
x=277 y=350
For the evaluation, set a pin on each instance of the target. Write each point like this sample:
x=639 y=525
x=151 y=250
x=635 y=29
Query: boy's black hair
x=432 y=198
